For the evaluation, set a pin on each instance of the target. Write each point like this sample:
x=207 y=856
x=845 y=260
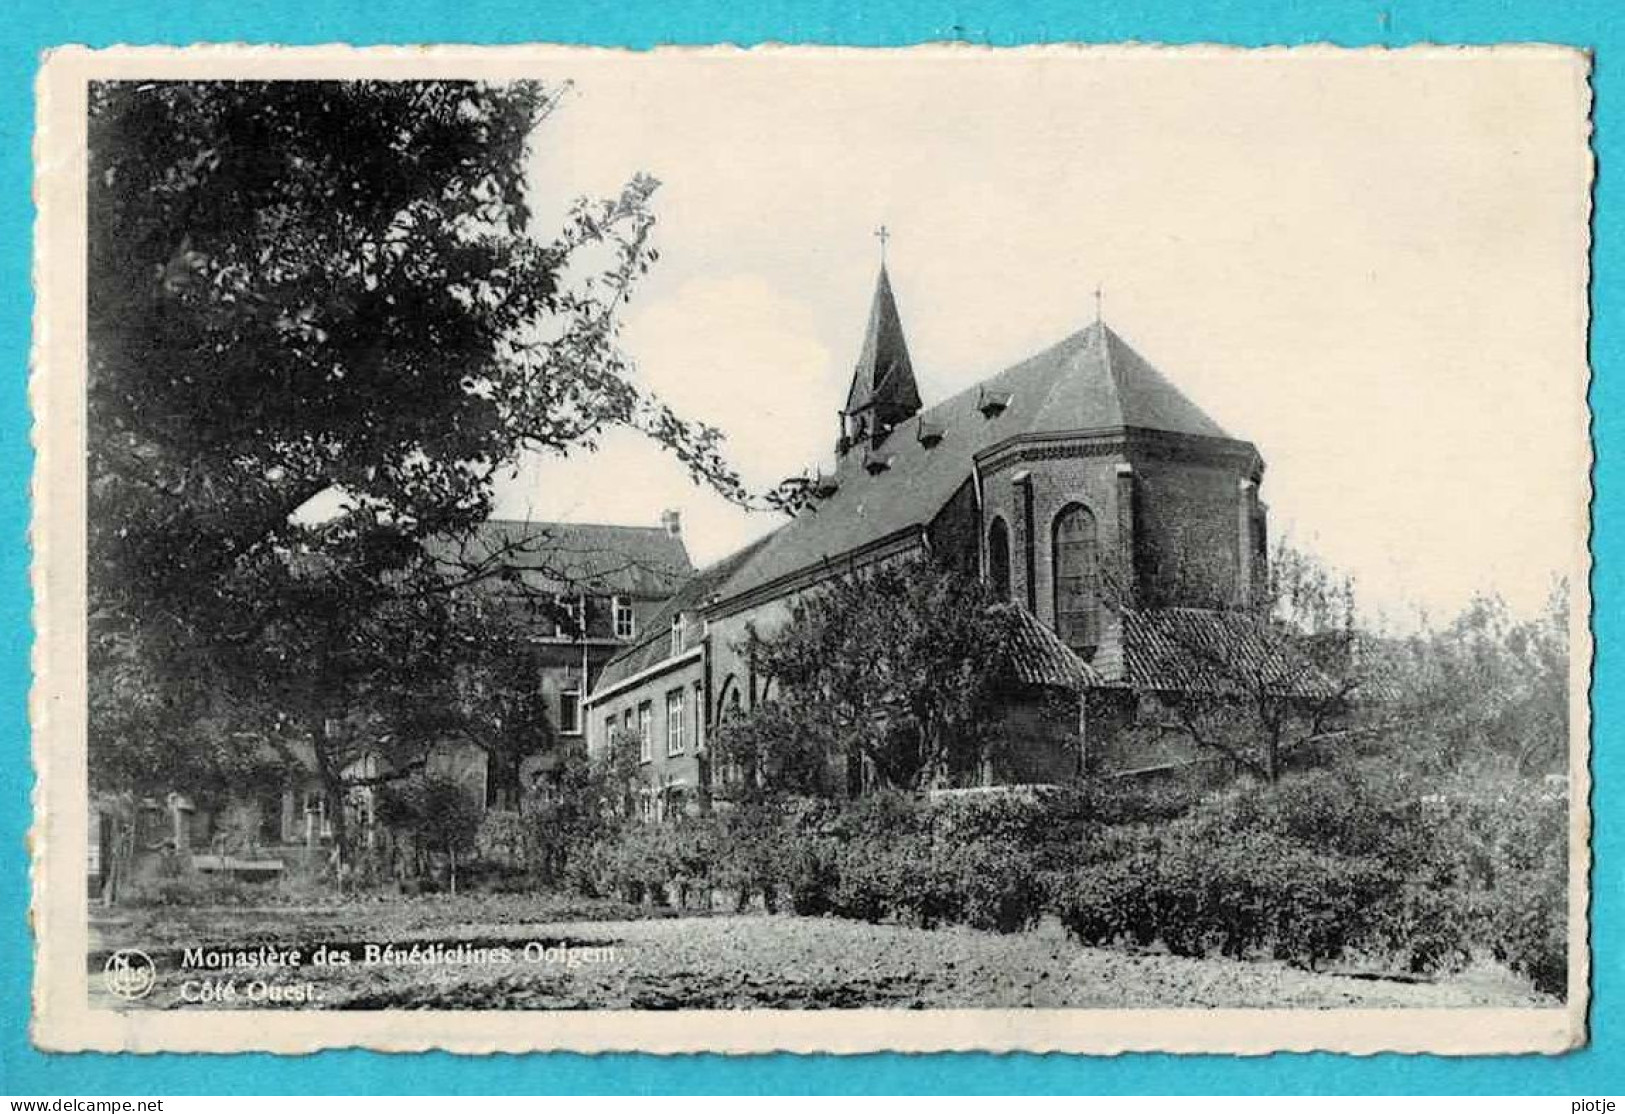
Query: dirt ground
x=541 y=953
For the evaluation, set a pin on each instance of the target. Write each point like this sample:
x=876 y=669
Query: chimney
x=672 y=520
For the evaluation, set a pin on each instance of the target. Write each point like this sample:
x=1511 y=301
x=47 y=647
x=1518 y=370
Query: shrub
x=1309 y=866
x=1428 y=928
x=636 y=865
x=495 y=877
x=1503 y=853
x=877 y=879
x=507 y=838
x=1320 y=905
x=1528 y=927
x=1106 y=901
x=1025 y=816
x=994 y=885
x=809 y=872
x=1366 y=810
x=1226 y=877
x=748 y=854
x=192 y=889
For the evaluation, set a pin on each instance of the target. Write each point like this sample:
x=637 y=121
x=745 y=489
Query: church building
x=1081 y=484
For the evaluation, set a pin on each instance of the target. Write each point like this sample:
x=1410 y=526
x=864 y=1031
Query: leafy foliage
x=1489 y=690
x=334 y=295
x=896 y=671
x=1365 y=863
x=438 y=814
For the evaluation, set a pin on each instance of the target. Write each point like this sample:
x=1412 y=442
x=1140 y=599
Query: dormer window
x=930 y=433
x=825 y=486
x=876 y=464
x=992 y=403
x=676 y=634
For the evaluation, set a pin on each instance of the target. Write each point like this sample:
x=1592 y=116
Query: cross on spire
x=1100 y=299
x=882 y=234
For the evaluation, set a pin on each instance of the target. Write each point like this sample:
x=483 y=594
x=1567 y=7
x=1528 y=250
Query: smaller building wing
x=1041 y=658
x=654 y=644
x=1187 y=649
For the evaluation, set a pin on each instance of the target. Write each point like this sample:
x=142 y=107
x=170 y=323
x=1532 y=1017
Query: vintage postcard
x=1068 y=548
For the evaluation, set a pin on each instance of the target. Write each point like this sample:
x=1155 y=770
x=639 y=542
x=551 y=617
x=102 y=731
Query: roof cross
x=1100 y=298
x=882 y=234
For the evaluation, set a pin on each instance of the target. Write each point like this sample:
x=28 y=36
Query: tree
x=1491 y=687
x=309 y=291
x=899 y=670
x=580 y=801
x=438 y=815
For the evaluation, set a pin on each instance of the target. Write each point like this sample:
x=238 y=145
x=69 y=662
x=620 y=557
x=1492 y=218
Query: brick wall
x=620 y=712
x=1038 y=740
x=1188 y=534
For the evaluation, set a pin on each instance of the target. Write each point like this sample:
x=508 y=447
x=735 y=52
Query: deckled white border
x=63 y=1020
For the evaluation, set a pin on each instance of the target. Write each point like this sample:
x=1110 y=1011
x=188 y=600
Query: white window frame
x=699 y=716
x=676 y=635
x=646 y=743
x=676 y=727
x=626 y=620
x=573 y=692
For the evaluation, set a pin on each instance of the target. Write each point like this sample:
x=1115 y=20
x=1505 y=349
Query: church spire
x=883 y=393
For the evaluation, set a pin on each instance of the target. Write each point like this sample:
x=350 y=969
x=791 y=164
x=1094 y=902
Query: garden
x=1338 y=887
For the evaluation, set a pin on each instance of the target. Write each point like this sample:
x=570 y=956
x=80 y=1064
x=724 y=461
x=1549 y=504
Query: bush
x=994 y=885
x=1025 y=816
x=655 y=863
x=1364 y=811
x=1330 y=861
x=1428 y=928
x=1503 y=853
x=1528 y=927
x=506 y=838
x=192 y=889
x=810 y=874
x=1240 y=872
x=634 y=866
x=888 y=879
x=748 y=855
x=495 y=877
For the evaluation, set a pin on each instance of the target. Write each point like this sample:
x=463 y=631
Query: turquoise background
x=31 y=28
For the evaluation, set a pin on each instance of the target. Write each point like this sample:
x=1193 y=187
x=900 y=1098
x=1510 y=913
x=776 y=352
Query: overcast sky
x=1366 y=264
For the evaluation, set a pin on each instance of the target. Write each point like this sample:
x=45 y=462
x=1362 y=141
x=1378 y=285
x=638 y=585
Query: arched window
x=998 y=558
x=728 y=700
x=1075 y=554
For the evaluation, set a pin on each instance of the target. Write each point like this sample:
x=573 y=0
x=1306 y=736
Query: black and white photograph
x=719 y=549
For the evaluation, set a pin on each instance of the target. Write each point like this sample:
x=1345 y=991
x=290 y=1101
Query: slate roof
x=1190 y=649
x=647 y=562
x=884 y=373
x=1090 y=382
x=654 y=639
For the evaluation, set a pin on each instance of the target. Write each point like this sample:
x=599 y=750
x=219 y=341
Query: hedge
x=1324 y=865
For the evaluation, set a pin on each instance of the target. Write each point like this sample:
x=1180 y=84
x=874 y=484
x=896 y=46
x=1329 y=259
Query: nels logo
x=130 y=974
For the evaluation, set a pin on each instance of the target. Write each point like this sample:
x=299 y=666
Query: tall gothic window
x=998 y=558
x=1076 y=557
